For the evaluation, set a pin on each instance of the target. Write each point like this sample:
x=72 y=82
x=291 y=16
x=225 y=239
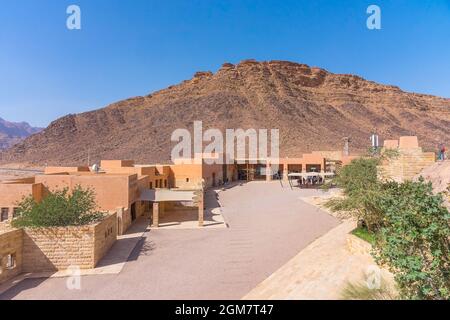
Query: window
x=15 y=213
x=165 y=183
x=156 y=184
x=160 y=183
x=187 y=179
x=151 y=185
x=11 y=261
x=4 y=214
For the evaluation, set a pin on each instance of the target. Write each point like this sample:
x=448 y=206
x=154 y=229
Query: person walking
x=442 y=151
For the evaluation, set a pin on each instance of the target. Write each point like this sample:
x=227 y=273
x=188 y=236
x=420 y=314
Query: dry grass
x=361 y=291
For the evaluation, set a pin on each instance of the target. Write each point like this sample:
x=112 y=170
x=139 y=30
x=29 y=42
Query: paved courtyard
x=267 y=226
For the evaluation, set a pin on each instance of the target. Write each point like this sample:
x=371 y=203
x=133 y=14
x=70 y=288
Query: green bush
x=362 y=190
x=414 y=240
x=59 y=209
x=365 y=235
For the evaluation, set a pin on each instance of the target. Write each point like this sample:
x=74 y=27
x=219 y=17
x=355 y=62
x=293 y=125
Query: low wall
x=356 y=245
x=11 y=243
x=105 y=236
x=51 y=249
x=406 y=166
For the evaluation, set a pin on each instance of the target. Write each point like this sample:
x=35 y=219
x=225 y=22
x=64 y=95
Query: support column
x=120 y=213
x=201 y=212
x=285 y=171
x=268 y=172
x=155 y=220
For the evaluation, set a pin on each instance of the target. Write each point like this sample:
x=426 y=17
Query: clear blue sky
x=133 y=47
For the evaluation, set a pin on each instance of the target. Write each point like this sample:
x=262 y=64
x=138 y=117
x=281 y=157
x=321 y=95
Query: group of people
x=309 y=181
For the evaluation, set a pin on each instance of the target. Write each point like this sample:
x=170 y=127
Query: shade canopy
x=156 y=195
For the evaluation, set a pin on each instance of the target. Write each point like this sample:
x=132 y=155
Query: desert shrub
x=365 y=235
x=360 y=291
x=59 y=209
x=414 y=240
x=362 y=190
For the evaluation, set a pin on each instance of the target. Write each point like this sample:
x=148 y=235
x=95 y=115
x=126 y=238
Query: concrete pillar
x=11 y=213
x=285 y=171
x=120 y=212
x=201 y=212
x=155 y=221
x=268 y=172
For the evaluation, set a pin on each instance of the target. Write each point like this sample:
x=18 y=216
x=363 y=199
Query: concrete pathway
x=268 y=226
x=112 y=263
x=320 y=271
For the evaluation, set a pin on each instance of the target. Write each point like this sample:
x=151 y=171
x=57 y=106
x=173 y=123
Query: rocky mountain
x=313 y=109
x=12 y=133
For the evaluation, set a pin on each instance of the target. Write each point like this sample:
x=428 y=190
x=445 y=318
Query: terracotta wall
x=55 y=170
x=11 y=194
x=212 y=174
x=186 y=176
x=111 y=191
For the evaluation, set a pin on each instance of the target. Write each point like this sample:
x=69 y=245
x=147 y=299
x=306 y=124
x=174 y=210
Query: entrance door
x=133 y=212
x=214 y=179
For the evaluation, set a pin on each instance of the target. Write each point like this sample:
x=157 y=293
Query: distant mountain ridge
x=14 y=132
x=313 y=109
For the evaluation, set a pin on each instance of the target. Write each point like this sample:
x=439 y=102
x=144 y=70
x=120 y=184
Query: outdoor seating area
x=307 y=180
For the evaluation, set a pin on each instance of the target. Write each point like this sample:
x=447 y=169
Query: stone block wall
x=406 y=166
x=104 y=237
x=51 y=249
x=123 y=220
x=11 y=243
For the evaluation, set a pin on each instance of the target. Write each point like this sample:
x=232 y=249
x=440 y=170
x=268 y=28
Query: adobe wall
x=56 y=170
x=105 y=164
x=186 y=176
x=111 y=191
x=11 y=243
x=11 y=194
x=105 y=234
x=409 y=162
x=57 y=248
x=208 y=173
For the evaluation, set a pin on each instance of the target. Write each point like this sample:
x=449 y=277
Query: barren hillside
x=312 y=108
x=14 y=132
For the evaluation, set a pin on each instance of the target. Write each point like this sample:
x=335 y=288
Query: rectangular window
x=156 y=184
x=165 y=183
x=11 y=261
x=151 y=185
x=15 y=213
x=4 y=214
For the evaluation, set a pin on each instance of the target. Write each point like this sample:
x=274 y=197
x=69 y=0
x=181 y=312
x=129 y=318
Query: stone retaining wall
x=11 y=243
x=406 y=166
x=51 y=249
x=358 y=246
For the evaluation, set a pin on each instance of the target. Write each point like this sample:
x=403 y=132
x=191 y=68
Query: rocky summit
x=313 y=109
